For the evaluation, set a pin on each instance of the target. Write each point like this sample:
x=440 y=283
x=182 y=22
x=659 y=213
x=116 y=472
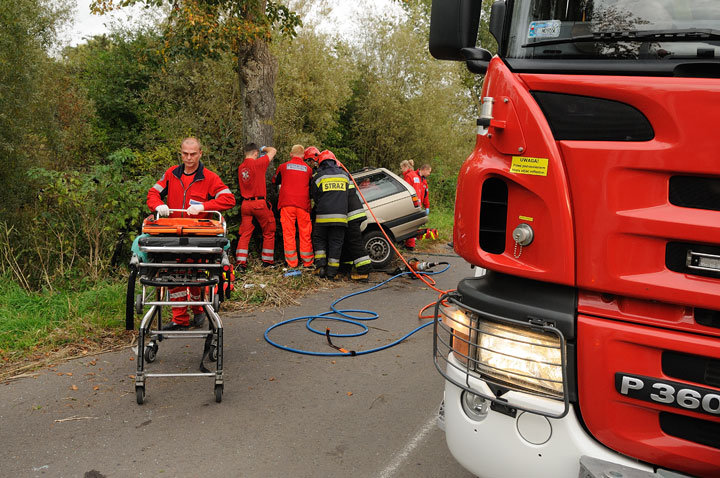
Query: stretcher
x=178 y=252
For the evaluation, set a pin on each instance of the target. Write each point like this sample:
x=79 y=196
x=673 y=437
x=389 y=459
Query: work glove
x=427 y=211
x=163 y=210
x=195 y=209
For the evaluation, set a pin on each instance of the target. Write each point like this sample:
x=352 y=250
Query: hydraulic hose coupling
x=419 y=266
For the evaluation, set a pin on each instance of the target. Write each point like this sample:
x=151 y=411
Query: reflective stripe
x=290 y=253
x=334 y=262
x=321 y=218
x=241 y=251
x=357 y=216
x=194 y=297
x=267 y=258
x=323 y=179
x=177 y=295
x=224 y=191
x=320 y=255
x=306 y=254
x=363 y=263
x=158 y=188
x=347 y=262
x=307 y=261
x=268 y=251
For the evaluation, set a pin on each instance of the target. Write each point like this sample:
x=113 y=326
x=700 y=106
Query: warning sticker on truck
x=533 y=166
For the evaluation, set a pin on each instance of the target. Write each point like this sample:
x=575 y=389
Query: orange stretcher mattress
x=182 y=226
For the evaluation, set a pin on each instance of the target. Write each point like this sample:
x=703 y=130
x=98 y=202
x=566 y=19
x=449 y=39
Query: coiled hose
x=348 y=316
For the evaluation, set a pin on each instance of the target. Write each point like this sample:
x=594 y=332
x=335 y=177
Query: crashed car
x=397 y=208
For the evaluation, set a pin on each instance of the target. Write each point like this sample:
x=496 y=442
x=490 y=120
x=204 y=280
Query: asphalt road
x=282 y=414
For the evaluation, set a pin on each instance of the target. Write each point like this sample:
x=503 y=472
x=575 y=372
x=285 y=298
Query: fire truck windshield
x=615 y=29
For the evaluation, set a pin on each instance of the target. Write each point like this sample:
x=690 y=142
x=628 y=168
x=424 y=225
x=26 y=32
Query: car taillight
x=416 y=201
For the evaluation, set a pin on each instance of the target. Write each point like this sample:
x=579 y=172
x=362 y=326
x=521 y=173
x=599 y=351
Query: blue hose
x=346 y=316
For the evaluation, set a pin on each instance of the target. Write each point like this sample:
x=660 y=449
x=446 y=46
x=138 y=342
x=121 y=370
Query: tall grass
x=36 y=323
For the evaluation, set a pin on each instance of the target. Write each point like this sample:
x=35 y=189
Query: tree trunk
x=257 y=72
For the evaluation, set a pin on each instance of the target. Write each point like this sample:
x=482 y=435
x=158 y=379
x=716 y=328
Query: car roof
x=368 y=171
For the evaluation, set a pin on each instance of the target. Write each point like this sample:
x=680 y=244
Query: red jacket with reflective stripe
x=251 y=177
x=425 y=197
x=413 y=179
x=206 y=187
x=294 y=179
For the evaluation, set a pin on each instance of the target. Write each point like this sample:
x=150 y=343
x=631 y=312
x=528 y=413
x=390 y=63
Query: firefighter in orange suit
x=189 y=186
x=251 y=177
x=293 y=178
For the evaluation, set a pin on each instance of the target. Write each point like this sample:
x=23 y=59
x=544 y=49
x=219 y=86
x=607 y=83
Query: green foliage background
x=85 y=133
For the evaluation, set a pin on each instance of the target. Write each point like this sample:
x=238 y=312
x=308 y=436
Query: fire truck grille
x=691 y=429
x=695 y=192
x=707 y=317
x=493 y=215
x=693 y=368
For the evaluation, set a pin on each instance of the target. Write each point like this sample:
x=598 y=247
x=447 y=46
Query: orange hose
x=427 y=280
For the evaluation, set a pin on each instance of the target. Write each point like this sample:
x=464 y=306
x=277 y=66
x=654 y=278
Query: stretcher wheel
x=140 y=394
x=139 y=304
x=151 y=352
x=213 y=354
x=216 y=303
x=218 y=392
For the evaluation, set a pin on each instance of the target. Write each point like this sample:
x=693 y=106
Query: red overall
x=251 y=177
x=294 y=179
x=178 y=190
x=413 y=178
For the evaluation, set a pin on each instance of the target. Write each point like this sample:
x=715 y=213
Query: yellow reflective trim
x=332 y=219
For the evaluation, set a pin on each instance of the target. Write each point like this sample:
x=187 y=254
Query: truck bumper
x=501 y=446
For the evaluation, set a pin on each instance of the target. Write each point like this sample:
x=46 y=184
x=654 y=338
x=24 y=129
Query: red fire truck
x=591 y=347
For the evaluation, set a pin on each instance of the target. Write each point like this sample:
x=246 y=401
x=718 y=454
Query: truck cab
x=592 y=199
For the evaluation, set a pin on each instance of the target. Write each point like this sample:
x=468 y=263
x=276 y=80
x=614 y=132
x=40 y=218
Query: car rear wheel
x=378 y=248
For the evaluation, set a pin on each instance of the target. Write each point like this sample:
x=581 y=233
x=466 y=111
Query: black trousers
x=327 y=242
x=353 y=252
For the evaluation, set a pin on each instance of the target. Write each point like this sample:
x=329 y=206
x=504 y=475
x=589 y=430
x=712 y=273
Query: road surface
x=282 y=414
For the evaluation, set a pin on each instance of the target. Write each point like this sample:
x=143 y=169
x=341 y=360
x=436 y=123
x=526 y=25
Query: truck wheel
x=378 y=248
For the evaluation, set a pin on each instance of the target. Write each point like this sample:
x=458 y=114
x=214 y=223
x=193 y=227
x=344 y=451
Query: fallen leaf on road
x=96 y=387
x=60 y=374
x=69 y=374
x=349 y=394
x=332 y=362
x=272 y=379
x=132 y=358
x=73 y=387
x=131 y=376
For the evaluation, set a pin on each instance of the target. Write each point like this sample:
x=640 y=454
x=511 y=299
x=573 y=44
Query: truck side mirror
x=476 y=59
x=453 y=26
x=497 y=21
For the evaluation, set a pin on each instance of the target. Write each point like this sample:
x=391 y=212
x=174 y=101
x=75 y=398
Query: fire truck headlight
x=459 y=322
x=521 y=358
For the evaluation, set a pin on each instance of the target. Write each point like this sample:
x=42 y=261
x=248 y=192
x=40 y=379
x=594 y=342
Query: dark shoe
x=320 y=272
x=410 y=248
x=240 y=268
x=199 y=320
x=175 y=326
x=268 y=265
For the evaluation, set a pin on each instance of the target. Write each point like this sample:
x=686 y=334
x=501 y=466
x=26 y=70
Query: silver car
x=397 y=208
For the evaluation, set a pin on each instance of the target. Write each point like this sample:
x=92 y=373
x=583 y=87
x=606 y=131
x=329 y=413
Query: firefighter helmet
x=311 y=152
x=327 y=154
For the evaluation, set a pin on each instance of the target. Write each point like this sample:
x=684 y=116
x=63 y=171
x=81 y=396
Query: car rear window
x=379 y=185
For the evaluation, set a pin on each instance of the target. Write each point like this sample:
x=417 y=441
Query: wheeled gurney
x=178 y=252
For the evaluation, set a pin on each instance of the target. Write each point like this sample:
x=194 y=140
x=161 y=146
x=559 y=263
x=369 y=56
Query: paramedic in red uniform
x=412 y=178
x=293 y=178
x=423 y=173
x=251 y=177
x=193 y=187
